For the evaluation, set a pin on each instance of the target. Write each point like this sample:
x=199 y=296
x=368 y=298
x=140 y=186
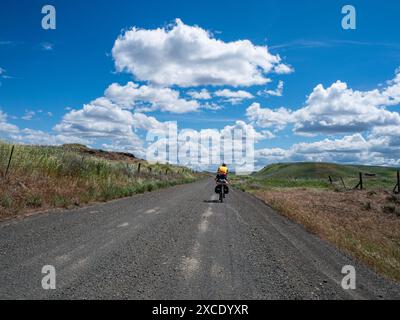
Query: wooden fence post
x=9 y=161
x=330 y=180
x=360 y=183
x=396 y=189
x=138 y=168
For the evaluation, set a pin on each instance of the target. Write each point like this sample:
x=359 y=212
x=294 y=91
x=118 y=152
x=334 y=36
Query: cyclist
x=222 y=173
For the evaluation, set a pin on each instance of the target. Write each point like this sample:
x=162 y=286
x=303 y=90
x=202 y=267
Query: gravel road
x=176 y=243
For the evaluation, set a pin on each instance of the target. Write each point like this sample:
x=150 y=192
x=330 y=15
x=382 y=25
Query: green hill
x=316 y=175
x=316 y=170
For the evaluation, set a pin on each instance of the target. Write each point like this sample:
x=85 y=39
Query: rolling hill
x=316 y=175
x=316 y=170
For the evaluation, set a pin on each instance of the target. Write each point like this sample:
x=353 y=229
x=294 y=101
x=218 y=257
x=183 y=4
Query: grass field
x=364 y=224
x=316 y=175
x=41 y=177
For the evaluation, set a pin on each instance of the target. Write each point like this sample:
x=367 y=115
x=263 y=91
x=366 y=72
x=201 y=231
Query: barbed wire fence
x=366 y=181
x=25 y=159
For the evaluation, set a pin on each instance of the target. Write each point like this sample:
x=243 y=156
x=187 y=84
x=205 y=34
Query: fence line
x=361 y=183
x=341 y=179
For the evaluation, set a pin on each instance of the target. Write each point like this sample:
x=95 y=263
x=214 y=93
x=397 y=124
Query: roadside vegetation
x=40 y=177
x=364 y=223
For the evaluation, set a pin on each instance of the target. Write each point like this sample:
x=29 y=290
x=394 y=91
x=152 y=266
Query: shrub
x=6 y=201
x=59 y=201
x=34 y=201
x=140 y=188
x=150 y=186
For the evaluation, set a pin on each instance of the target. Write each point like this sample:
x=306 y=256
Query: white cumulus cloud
x=200 y=95
x=190 y=56
x=6 y=127
x=149 y=98
x=278 y=92
x=352 y=149
x=98 y=119
x=29 y=114
x=334 y=110
x=38 y=137
x=267 y=118
x=233 y=97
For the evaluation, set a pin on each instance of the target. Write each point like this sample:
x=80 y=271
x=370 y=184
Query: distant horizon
x=212 y=170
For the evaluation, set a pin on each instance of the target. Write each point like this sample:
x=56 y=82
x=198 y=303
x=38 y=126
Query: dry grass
x=364 y=224
x=41 y=178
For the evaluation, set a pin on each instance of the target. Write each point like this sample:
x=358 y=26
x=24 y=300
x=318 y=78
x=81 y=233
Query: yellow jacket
x=223 y=170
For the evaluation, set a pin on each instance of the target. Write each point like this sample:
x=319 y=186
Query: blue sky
x=45 y=74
